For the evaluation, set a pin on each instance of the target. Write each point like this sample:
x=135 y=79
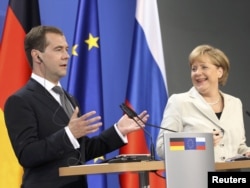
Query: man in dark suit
x=43 y=136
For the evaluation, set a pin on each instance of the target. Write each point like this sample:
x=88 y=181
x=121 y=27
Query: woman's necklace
x=214 y=103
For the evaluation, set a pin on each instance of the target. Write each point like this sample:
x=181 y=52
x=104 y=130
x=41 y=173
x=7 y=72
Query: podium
x=143 y=167
x=189 y=156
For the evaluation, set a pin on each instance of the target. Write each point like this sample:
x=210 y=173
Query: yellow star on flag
x=74 y=52
x=92 y=41
x=98 y=158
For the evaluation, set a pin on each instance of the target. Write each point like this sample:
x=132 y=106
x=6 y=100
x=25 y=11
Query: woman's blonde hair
x=217 y=57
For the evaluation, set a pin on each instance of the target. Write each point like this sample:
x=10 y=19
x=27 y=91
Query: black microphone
x=132 y=114
x=248 y=113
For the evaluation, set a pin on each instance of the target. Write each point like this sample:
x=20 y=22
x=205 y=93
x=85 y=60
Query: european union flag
x=85 y=75
x=189 y=143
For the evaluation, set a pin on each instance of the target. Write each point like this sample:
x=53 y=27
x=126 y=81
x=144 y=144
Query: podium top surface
x=112 y=168
x=138 y=167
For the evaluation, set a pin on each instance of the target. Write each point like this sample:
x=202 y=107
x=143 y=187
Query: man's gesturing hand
x=87 y=123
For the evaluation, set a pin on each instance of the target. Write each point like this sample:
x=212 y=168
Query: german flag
x=21 y=16
x=177 y=144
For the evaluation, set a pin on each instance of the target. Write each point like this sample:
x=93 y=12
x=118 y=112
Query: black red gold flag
x=21 y=16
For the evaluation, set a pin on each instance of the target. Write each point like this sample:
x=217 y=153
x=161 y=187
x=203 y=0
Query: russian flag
x=147 y=85
x=200 y=143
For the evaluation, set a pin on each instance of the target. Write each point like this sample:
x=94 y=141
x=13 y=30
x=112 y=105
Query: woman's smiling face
x=205 y=75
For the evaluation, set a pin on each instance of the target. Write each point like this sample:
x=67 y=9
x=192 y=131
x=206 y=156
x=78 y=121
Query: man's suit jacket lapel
x=41 y=94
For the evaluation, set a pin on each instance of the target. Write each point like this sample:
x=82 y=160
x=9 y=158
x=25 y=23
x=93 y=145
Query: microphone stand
x=152 y=148
x=132 y=115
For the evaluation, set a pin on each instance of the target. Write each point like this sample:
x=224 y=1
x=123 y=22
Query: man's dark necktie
x=64 y=100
